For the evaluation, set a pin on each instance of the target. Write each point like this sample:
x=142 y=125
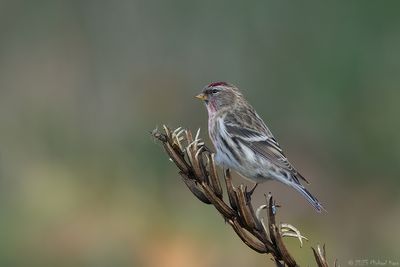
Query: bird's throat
x=211 y=108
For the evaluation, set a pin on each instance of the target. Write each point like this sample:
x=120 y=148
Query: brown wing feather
x=255 y=134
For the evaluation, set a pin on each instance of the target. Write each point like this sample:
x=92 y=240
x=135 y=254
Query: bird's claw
x=250 y=193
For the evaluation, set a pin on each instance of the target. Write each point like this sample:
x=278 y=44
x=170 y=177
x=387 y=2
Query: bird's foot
x=250 y=193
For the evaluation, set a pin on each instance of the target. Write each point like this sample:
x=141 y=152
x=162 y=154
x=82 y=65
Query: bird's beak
x=201 y=96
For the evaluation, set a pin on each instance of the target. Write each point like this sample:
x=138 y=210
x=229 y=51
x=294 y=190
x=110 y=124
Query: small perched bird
x=244 y=143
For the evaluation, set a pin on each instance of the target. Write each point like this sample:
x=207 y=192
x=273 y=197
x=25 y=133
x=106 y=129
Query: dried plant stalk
x=197 y=167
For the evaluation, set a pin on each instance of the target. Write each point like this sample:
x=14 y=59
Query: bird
x=244 y=143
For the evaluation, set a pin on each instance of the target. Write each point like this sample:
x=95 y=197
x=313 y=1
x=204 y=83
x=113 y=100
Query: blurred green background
x=83 y=82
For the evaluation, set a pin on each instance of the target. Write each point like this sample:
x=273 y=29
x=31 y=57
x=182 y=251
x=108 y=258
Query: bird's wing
x=259 y=139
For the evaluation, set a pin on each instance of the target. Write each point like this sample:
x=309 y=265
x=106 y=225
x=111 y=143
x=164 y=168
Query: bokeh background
x=82 y=83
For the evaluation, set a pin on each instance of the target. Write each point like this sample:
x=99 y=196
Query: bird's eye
x=214 y=91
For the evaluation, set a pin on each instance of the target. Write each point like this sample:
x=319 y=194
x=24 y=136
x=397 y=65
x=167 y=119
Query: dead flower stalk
x=197 y=168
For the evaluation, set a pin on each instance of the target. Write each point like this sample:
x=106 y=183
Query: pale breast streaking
x=244 y=143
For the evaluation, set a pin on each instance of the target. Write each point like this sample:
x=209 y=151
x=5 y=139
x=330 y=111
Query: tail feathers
x=298 y=175
x=313 y=201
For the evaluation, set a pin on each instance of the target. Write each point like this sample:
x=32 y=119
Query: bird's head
x=219 y=95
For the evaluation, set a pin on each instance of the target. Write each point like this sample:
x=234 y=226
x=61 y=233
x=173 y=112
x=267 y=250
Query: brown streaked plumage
x=244 y=143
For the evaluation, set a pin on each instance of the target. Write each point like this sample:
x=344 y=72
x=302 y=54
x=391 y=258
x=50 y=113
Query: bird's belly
x=254 y=170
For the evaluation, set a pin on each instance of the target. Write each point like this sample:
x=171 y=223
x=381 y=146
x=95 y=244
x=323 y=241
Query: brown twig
x=198 y=171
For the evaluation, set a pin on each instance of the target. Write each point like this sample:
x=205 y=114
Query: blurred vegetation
x=83 y=82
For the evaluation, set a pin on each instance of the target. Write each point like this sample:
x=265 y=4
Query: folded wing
x=263 y=144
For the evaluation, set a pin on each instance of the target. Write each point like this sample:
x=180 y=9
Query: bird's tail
x=313 y=201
